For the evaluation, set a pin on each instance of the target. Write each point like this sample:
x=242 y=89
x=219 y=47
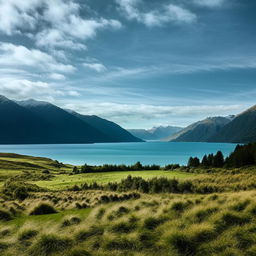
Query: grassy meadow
x=216 y=216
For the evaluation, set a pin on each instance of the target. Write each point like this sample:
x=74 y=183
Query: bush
x=93 y=231
x=230 y=219
x=152 y=223
x=123 y=227
x=42 y=209
x=183 y=244
x=79 y=252
x=71 y=221
x=5 y=215
x=121 y=244
x=27 y=234
x=20 y=193
x=50 y=244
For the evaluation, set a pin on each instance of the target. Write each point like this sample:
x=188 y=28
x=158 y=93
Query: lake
x=160 y=153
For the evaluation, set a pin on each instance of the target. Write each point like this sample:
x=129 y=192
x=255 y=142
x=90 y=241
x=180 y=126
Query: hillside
x=115 y=132
x=241 y=130
x=200 y=131
x=156 y=133
x=38 y=122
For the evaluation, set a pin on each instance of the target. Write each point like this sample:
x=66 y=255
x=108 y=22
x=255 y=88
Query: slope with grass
x=177 y=225
x=211 y=211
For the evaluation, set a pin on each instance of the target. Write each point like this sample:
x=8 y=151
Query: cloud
x=22 y=88
x=98 y=67
x=166 y=14
x=55 y=23
x=146 y=114
x=21 y=57
x=209 y=3
x=56 y=76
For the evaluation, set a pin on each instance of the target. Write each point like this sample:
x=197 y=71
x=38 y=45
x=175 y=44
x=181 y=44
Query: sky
x=140 y=63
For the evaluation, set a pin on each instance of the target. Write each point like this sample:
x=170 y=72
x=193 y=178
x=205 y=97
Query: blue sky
x=140 y=63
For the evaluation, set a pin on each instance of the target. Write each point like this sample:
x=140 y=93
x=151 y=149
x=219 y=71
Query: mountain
x=156 y=133
x=19 y=125
x=38 y=122
x=115 y=132
x=201 y=131
x=241 y=129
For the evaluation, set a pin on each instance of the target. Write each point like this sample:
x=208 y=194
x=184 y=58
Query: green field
x=64 y=181
x=212 y=212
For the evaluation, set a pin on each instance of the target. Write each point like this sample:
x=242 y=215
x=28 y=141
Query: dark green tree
x=218 y=160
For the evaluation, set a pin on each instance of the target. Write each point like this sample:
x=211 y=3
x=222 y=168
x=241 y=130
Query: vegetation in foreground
x=176 y=211
x=164 y=224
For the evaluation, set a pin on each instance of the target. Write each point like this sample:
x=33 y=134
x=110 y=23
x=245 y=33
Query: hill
x=38 y=122
x=200 y=131
x=115 y=132
x=240 y=130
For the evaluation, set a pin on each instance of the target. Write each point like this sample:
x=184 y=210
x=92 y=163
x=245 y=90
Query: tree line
x=243 y=155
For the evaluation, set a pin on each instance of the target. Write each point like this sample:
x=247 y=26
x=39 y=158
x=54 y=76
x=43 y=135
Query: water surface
x=160 y=153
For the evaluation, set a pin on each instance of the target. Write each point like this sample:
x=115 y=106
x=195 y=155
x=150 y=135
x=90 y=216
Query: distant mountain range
x=156 y=133
x=30 y=122
x=200 y=131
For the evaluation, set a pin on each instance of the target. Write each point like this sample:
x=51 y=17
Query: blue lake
x=160 y=153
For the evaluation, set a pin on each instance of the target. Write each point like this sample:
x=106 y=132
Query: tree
x=218 y=160
x=75 y=170
x=205 y=161
x=138 y=166
x=193 y=162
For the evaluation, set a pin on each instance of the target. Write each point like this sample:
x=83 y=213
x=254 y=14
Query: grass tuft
x=49 y=245
x=42 y=209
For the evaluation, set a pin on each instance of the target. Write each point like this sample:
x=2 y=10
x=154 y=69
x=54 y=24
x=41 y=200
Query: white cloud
x=144 y=114
x=209 y=3
x=55 y=23
x=56 y=76
x=22 y=88
x=98 y=67
x=165 y=14
x=20 y=56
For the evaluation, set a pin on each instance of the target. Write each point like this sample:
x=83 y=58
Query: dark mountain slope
x=115 y=132
x=200 y=131
x=19 y=125
x=241 y=130
x=64 y=127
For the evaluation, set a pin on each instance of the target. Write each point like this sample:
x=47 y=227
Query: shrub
x=123 y=227
x=231 y=219
x=71 y=221
x=183 y=244
x=5 y=215
x=27 y=234
x=93 y=231
x=147 y=239
x=202 y=214
x=179 y=206
x=42 y=209
x=121 y=244
x=79 y=252
x=20 y=193
x=100 y=213
x=240 y=206
x=50 y=244
x=152 y=222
